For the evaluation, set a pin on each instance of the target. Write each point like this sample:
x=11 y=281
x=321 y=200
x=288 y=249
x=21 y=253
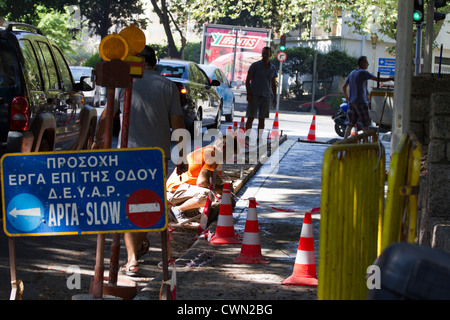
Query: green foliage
x=56 y=26
x=192 y=51
x=160 y=50
x=92 y=61
x=27 y=10
x=103 y=14
x=337 y=63
x=300 y=61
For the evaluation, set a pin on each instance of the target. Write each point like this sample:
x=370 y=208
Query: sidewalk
x=207 y=272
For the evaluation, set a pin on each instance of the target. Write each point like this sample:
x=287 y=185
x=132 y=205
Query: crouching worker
x=190 y=190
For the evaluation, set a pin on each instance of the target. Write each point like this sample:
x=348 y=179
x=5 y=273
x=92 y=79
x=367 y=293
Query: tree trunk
x=164 y=18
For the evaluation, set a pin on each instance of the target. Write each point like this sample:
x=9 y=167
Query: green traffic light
x=282 y=48
x=417 y=16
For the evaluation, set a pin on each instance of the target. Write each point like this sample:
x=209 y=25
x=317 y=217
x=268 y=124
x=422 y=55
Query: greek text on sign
x=386 y=62
x=83 y=192
x=225 y=40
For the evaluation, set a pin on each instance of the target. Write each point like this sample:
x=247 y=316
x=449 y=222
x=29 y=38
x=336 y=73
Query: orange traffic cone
x=231 y=132
x=225 y=225
x=251 y=246
x=240 y=135
x=354 y=131
x=305 y=262
x=274 y=133
x=312 y=130
x=242 y=124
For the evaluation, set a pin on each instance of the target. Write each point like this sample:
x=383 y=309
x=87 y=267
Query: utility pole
x=429 y=38
x=402 y=89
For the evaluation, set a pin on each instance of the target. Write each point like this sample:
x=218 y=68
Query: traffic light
x=438 y=16
x=418 y=11
x=282 y=43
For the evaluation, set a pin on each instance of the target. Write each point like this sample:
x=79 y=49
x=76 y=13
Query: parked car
x=91 y=97
x=224 y=90
x=199 y=100
x=41 y=108
x=328 y=104
x=239 y=89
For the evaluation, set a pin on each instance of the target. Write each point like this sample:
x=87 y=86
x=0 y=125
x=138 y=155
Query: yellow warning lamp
x=136 y=43
x=114 y=46
x=135 y=38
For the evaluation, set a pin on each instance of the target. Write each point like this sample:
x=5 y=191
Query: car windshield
x=172 y=71
x=7 y=74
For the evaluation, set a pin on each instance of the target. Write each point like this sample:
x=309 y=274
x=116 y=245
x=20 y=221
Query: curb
x=148 y=292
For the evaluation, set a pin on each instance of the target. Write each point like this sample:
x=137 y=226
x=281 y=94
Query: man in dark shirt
x=261 y=88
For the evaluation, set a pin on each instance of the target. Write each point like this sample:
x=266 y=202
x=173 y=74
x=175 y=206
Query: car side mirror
x=86 y=84
x=215 y=83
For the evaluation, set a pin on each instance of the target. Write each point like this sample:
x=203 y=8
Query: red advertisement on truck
x=233 y=49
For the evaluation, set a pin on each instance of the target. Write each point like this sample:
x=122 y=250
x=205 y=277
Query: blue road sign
x=82 y=192
x=386 y=66
x=386 y=62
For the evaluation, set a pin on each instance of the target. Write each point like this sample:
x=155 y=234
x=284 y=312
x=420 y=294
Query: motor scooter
x=339 y=120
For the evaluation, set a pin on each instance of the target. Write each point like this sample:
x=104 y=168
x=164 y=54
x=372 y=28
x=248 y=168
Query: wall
x=430 y=121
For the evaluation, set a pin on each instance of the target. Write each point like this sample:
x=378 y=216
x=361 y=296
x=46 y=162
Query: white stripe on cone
x=225 y=225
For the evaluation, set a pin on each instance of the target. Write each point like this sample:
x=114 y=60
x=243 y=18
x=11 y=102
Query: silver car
x=91 y=98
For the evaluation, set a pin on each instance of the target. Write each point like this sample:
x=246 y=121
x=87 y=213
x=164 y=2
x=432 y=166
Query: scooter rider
x=357 y=100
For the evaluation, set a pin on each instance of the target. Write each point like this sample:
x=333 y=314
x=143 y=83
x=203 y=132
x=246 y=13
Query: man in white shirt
x=155 y=108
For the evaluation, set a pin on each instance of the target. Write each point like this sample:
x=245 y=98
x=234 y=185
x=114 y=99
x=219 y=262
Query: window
x=170 y=71
x=7 y=64
x=63 y=70
x=31 y=65
x=197 y=75
x=221 y=77
x=49 y=67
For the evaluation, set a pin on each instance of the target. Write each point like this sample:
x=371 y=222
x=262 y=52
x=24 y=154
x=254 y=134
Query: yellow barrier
x=352 y=201
x=400 y=218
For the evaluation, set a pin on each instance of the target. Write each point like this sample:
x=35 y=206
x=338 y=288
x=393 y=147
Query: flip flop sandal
x=144 y=249
x=131 y=269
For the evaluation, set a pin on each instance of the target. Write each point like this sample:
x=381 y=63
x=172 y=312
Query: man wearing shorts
x=261 y=88
x=358 y=108
x=190 y=190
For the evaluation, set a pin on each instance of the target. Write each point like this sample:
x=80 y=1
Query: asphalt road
x=44 y=263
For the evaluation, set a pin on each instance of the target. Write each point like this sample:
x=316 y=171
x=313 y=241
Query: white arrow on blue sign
x=81 y=192
x=386 y=66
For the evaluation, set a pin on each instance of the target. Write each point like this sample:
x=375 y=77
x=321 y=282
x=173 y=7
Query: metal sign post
x=281 y=57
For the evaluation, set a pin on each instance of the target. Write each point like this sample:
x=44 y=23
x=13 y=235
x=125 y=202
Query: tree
x=329 y=65
x=101 y=15
x=27 y=10
x=279 y=15
x=166 y=18
x=55 y=25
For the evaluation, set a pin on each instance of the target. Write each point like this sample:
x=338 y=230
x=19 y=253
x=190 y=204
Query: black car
x=199 y=100
x=41 y=108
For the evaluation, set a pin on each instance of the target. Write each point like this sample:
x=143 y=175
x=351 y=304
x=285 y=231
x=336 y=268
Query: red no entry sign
x=144 y=208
